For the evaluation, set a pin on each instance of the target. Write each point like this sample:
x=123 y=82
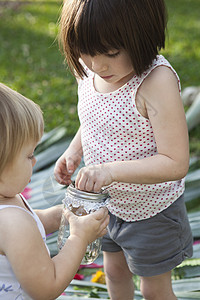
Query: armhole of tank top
x=143 y=79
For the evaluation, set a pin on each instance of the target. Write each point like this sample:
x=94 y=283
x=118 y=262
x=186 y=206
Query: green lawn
x=31 y=63
x=183 y=46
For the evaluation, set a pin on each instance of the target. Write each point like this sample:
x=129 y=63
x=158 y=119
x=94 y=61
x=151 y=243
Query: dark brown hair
x=97 y=26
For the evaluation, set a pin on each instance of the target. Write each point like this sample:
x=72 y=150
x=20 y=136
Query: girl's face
x=115 y=67
x=17 y=175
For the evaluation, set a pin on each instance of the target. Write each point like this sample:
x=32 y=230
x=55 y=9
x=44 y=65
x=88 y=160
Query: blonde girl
x=26 y=269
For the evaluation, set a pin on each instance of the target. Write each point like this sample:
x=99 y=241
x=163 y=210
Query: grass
x=32 y=64
x=182 y=44
x=183 y=49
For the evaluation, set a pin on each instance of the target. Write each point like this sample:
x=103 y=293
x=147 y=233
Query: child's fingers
x=103 y=232
x=103 y=228
x=57 y=174
x=70 y=166
x=101 y=213
x=80 y=180
x=103 y=217
x=68 y=214
x=105 y=222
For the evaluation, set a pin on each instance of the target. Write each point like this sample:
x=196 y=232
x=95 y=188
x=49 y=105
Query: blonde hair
x=21 y=122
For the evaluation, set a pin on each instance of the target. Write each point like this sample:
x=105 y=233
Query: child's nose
x=33 y=161
x=98 y=64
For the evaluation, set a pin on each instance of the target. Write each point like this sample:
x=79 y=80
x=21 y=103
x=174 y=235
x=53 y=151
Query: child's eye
x=113 y=54
x=31 y=156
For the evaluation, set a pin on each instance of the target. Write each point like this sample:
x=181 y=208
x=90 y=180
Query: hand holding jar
x=89 y=227
x=92 y=224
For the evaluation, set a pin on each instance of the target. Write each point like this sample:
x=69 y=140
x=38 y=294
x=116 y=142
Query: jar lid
x=89 y=196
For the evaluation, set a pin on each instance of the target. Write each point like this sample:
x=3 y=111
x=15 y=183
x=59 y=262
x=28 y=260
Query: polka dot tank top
x=112 y=129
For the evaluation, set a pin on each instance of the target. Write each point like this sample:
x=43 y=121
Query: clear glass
x=80 y=205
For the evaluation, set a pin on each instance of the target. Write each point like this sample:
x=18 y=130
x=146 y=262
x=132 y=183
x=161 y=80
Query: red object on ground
x=90 y=266
x=27 y=193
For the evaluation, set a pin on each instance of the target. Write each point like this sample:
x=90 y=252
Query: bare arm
x=69 y=161
x=171 y=135
x=50 y=217
x=170 y=131
x=39 y=275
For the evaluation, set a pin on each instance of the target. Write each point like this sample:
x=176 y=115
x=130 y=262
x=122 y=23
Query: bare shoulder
x=11 y=215
x=15 y=223
x=161 y=89
x=160 y=79
x=162 y=73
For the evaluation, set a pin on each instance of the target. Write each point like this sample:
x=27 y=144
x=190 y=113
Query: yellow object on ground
x=99 y=277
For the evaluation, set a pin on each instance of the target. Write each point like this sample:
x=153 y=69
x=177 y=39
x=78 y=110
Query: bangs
x=89 y=27
x=96 y=29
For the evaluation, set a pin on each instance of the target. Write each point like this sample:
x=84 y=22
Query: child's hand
x=66 y=165
x=93 y=178
x=88 y=227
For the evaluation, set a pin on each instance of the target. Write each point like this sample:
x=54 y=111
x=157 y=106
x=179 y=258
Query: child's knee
x=148 y=292
x=152 y=288
x=116 y=273
x=112 y=272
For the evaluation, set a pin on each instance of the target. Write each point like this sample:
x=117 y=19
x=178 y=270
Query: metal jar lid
x=88 y=196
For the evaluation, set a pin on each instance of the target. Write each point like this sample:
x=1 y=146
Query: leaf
x=186 y=285
x=50 y=155
x=54 y=136
x=193 y=113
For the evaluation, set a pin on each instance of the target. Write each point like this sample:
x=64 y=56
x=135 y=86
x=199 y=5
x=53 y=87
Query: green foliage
x=183 y=47
x=32 y=64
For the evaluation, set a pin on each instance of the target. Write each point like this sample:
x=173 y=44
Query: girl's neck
x=103 y=86
x=15 y=200
x=7 y=200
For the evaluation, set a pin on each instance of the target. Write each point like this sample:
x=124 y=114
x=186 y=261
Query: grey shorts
x=153 y=246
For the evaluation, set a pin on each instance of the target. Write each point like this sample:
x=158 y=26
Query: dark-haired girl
x=133 y=137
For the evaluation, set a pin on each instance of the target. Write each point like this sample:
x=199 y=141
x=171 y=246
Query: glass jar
x=82 y=203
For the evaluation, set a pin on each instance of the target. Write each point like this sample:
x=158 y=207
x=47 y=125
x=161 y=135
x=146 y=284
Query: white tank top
x=10 y=288
x=112 y=129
